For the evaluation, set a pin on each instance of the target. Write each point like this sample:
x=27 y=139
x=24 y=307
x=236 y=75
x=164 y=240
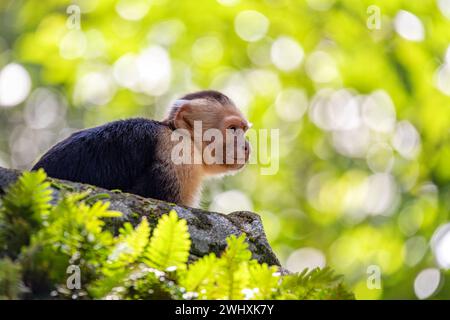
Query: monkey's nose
x=247 y=150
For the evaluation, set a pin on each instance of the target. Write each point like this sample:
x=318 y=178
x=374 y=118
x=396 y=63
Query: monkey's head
x=216 y=127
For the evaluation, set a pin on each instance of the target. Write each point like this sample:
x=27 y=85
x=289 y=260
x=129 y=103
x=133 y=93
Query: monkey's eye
x=233 y=128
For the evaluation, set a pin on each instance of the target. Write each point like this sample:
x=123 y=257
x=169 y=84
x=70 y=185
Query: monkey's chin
x=235 y=168
x=218 y=171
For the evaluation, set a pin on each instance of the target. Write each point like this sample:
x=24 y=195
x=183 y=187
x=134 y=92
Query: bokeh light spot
x=286 y=53
x=378 y=112
x=305 y=258
x=95 y=88
x=167 y=32
x=207 y=51
x=406 y=140
x=155 y=70
x=427 y=282
x=320 y=5
x=409 y=26
x=251 y=25
x=440 y=244
x=44 y=109
x=321 y=67
x=442 y=79
x=381 y=194
x=230 y=201
x=15 y=85
x=228 y=2
x=444 y=6
x=380 y=157
x=133 y=9
x=415 y=247
x=73 y=45
x=126 y=71
x=291 y=104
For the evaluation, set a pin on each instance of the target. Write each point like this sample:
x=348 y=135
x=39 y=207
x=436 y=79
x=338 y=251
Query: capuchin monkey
x=137 y=155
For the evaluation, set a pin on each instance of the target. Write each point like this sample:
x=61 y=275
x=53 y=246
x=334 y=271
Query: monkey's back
x=117 y=155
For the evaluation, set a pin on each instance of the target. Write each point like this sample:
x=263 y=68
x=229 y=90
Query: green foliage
x=344 y=187
x=199 y=277
x=169 y=246
x=263 y=277
x=314 y=284
x=135 y=264
x=232 y=274
x=10 y=278
x=23 y=208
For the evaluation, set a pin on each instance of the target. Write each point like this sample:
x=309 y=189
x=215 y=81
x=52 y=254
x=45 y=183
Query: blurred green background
x=358 y=89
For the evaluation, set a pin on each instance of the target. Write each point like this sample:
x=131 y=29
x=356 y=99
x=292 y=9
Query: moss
x=61 y=186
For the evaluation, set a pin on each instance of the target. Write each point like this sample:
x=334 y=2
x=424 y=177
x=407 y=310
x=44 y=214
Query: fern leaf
x=317 y=276
x=233 y=276
x=237 y=251
x=263 y=280
x=77 y=228
x=29 y=197
x=10 y=279
x=200 y=274
x=131 y=245
x=25 y=205
x=170 y=243
x=315 y=284
x=122 y=260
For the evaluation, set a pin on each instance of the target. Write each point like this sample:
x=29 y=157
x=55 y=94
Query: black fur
x=117 y=155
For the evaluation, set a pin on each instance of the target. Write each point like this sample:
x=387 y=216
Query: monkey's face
x=221 y=128
x=232 y=151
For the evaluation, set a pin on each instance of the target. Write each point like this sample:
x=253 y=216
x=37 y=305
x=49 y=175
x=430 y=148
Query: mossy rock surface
x=208 y=230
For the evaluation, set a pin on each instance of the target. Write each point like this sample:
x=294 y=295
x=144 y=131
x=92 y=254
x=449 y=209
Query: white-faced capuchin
x=136 y=155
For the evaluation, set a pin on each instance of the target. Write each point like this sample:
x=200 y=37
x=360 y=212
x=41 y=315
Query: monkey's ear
x=182 y=119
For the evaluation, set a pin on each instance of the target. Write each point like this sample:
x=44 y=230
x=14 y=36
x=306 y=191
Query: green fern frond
x=25 y=205
x=316 y=276
x=10 y=279
x=170 y=243
x=76 y=228
x=29 y=197
x=264 y=279
x=315 y=284
x=231 y=283
x=131 y=244
x=129 y=247
x=233 y=276
x=200 y=275
x=236 y=251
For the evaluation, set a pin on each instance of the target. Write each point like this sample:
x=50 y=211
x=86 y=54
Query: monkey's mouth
x=238 y=163
x=236 y=167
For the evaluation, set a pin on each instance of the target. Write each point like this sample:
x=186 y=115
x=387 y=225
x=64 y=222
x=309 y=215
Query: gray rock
x=208 y=230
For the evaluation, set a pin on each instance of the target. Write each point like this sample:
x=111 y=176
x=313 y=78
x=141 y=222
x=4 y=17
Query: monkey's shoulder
x=122 y=140
x=128 y=133
x=136 y=128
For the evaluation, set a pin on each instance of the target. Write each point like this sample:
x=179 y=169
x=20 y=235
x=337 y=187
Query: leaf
x=315 y=284
x=170 y=243
x=29 y=197
x=23 y=208
x=236 y=251
x=233 y=274
x=10 y=279
x=264 y=278
x=131 y=244
x=317 y=276
x=200 y=274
